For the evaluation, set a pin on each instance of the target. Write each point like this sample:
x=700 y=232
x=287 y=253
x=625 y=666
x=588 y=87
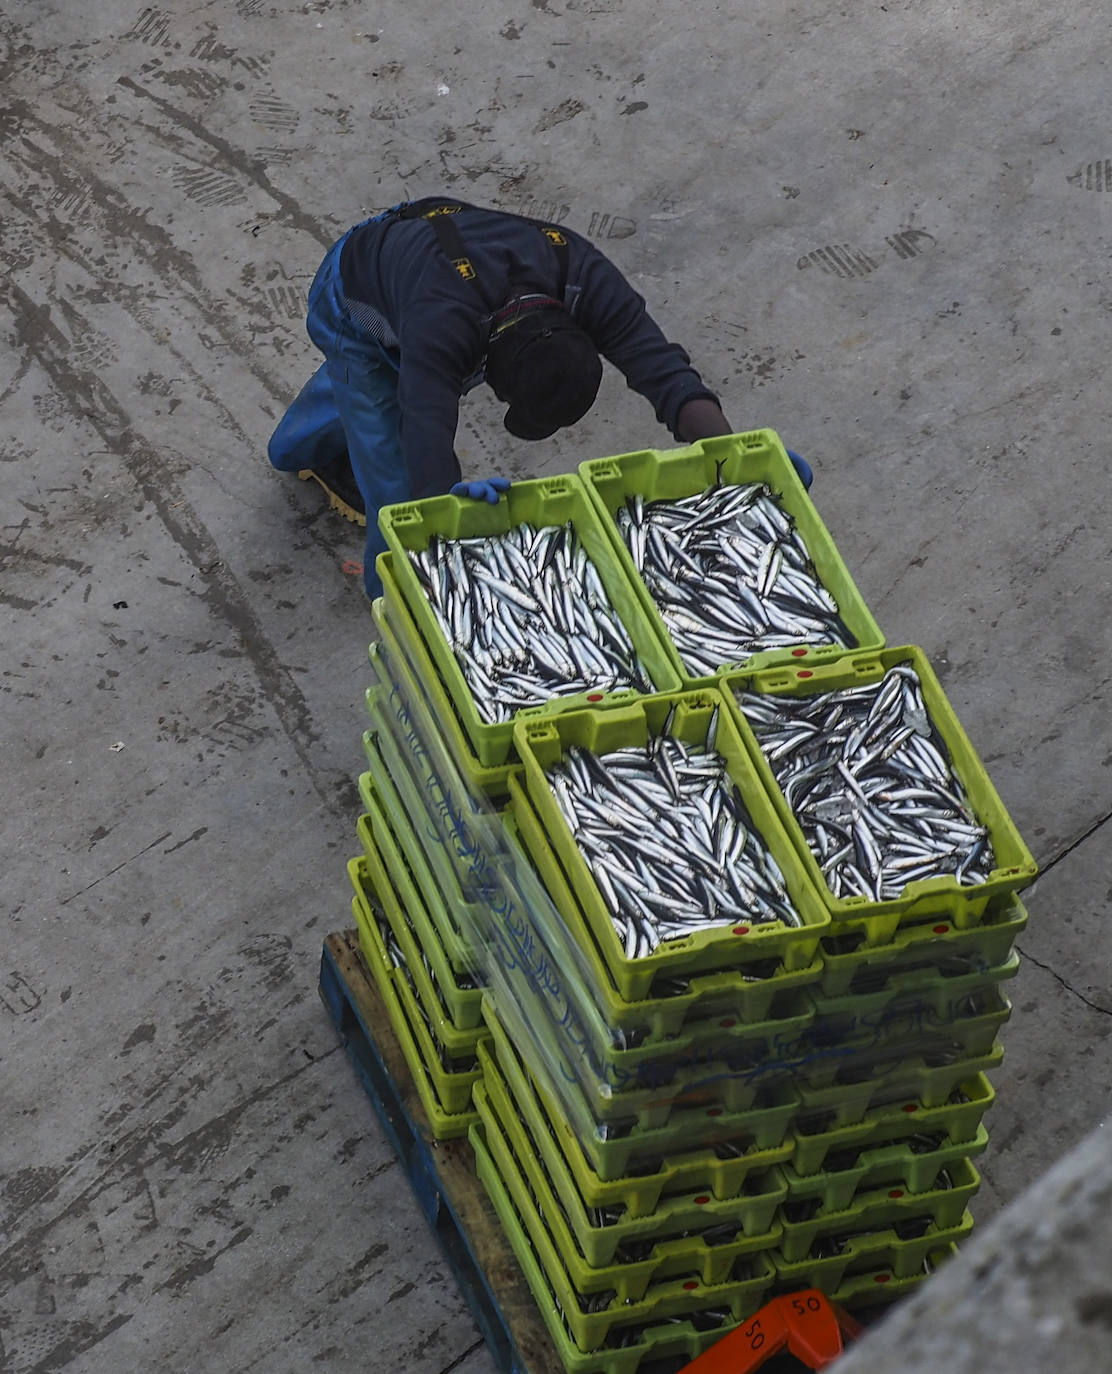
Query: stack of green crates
x=670 y=1140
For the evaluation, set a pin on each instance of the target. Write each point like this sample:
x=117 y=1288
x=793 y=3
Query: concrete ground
x=881 y=230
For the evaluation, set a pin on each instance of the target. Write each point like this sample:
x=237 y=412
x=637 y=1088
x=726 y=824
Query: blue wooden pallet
x=442 y=1173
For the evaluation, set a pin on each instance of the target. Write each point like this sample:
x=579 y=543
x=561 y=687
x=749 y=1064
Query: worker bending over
x=416 y=306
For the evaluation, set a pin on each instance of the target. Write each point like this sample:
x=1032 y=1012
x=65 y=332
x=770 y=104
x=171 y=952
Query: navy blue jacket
x=437 y=321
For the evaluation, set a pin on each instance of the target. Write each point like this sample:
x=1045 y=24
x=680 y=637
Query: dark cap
x=548 y=371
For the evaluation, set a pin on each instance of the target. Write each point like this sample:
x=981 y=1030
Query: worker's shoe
x=338 y=482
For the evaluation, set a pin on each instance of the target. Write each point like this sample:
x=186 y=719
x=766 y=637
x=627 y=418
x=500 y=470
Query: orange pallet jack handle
x=806 y=1324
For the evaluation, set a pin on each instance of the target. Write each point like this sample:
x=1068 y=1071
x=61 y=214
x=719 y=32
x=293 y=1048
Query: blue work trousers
x=350 y=404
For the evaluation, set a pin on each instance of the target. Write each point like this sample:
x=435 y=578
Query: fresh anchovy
x=669 y=842
x=394 y=950
x=527 y=618
x=868 y=777
x=730 y=574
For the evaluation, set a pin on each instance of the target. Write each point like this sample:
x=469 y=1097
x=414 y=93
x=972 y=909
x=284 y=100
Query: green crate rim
x=541 y=502
x=940 y=895
x=756 y=455
x=705 y=949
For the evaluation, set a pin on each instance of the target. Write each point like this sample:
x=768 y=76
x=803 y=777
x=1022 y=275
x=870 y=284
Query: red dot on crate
x=727 y=1021
x=799 y=653
x=881 y=1278
x=896 y=1192
x=805 y=672
x=690 y=1284
x=741 y=930
x=940 y=930
x=910 y=1107
x=703 y=1197
x=714 y=1111
x=594 y=696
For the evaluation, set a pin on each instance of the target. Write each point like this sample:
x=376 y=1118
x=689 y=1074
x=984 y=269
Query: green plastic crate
x=599 y=1237
x=459 y=988
x=757 y=456
x=541 y=744
x=727 y=996
x=444 y=918
x=876 y=1208
x=958 y=1120
x=873 y=1287
x=869 y=1251
x=827 y=1106
x=428 y=1074
x=851 y=965
x=863 y=1046
x=452 y=1065
x=631 y=1149
x=629 y=1279
x=410 y=807
x=648 y=1085
x=943 y=996
x=459 y=985
x=677 y=1179
x=678 y=1296
x=646 y=1124
x=898 y=1168
x=542 y=502
x=459 y=1041
x=940 y=899
x=403 y=661
x=629 y=1349
x=716 y=1060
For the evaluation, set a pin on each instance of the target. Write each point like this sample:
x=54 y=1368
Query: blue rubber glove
x=802 y=467
x=489 y=490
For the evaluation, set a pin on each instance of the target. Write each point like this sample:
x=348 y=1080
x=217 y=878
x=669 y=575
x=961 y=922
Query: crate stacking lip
x=940 y=898
x=862 y=1036
x=870 y=1287
x=445 y=1094
x=756 y=456
x=661 y=1257
x=411 y=527
x=621 y=1350
x=402 y=661
x=543 y=744
x=832 y=1102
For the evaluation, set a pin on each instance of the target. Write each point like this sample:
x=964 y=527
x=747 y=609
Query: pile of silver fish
x=868 y=778
x=668 y=841
x=528 y=618
x=730 y=575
